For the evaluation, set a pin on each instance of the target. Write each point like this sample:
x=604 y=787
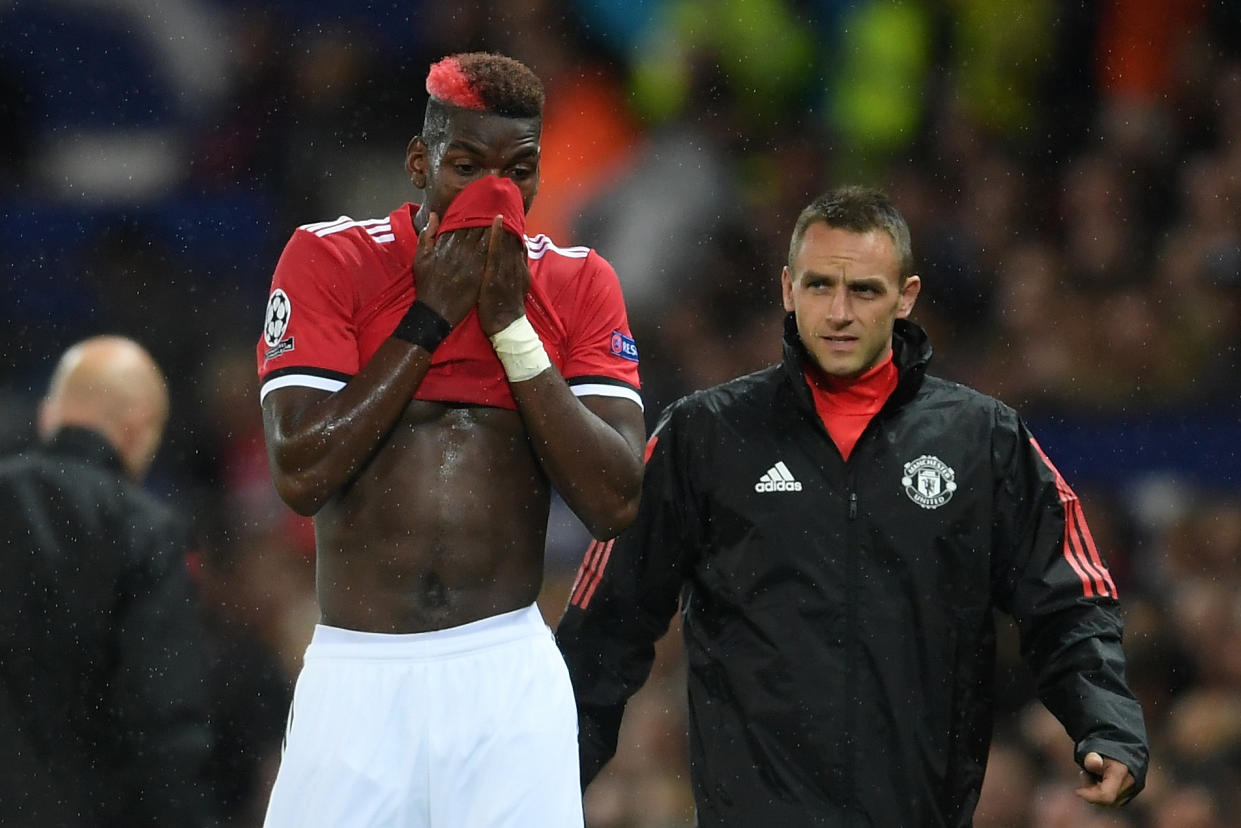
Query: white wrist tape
x=520 y=351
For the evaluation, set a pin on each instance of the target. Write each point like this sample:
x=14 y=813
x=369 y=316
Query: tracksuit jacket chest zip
x=837 y=616
x=831 y=490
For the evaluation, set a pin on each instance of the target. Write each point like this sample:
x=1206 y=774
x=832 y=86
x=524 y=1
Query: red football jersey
x=340 y=288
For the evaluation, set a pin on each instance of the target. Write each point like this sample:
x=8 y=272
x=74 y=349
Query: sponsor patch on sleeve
x=624 y=346
x=275 y=323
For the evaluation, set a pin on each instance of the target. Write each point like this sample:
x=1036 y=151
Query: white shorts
x=468 y=727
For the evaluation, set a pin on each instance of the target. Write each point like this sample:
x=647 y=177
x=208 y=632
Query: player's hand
x=449 y=269
x=1108 y=782
x=506 y=279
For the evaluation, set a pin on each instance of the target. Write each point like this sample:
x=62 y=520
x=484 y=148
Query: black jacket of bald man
x=103 y=707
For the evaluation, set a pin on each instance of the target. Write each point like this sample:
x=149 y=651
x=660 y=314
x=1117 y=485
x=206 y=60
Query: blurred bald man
x=103 y=707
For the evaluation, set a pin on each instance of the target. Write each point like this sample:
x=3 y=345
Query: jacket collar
x=911 y=352
x=85 y=445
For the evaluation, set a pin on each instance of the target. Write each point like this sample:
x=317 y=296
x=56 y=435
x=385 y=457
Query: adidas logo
x=777 y=479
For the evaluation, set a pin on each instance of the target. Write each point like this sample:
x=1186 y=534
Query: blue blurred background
x=1071 y=172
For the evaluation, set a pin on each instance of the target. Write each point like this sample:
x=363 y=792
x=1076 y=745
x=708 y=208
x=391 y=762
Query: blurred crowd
x=1071 y=172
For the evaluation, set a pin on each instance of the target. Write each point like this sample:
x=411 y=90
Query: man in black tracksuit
x=837 y=530
x=103 y=692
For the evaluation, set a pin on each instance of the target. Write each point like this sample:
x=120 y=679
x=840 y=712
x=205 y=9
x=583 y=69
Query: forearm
x=592 y=455
x=1079 y=665
x=596 y=468
x=316 y=448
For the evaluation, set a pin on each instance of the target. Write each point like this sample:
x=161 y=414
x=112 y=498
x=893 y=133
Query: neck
x=875 y=378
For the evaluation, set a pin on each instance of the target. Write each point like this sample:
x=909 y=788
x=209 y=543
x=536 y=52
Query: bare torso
x=445 y=525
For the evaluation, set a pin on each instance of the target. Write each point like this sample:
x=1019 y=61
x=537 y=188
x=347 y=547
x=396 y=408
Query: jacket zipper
x=851 y=558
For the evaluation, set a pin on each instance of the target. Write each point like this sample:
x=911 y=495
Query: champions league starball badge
x=276 y=322
x=929 y=481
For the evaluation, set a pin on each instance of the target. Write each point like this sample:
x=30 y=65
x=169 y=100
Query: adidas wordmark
x=777 y=479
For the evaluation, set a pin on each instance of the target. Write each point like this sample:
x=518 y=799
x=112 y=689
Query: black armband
x=423 y=327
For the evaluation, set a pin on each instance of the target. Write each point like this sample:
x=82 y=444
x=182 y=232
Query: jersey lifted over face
x=341 y=287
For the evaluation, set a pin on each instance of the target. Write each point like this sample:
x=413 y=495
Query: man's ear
x=416 y=162
x=909 y=295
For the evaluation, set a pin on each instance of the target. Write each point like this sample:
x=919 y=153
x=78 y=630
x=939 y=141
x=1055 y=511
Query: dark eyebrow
x=868 y=281
x=465 y=146
x=877 y=282
x=477 y=149
x=811 y=274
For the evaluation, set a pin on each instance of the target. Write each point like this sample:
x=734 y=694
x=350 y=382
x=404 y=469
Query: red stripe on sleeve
x=1094 y=551
x=650 y=449
x=597 y=575
x=1087 y=581
x=1073 y=541
x=583 y=571
x=1079 y=547
x=1083 y=543
x=590 y=573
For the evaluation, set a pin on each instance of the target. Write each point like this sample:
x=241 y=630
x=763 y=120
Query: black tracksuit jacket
x=837 y=616
x=103 y=692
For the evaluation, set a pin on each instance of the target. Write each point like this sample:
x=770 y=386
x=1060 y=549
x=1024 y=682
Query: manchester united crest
x=929 y=481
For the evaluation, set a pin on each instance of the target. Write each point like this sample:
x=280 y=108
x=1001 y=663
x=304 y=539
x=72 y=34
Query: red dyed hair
x=487 y=82
x=448 y=82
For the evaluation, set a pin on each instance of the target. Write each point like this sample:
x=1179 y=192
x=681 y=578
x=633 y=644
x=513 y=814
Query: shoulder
x=734 y=402
x=346 y=260
x=370 y=235
x=554 y=261
x=965 y=412
x=347 y=238
x=86 y=487
x=574 y=276
x=937 y=390
x=541 y=247
x=345 y=230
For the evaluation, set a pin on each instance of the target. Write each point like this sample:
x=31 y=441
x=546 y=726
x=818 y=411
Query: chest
x=912 y=505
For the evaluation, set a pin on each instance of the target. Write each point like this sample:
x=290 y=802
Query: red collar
x=860 y=395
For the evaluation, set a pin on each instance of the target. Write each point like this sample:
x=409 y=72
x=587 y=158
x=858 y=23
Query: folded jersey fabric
x=481 y=201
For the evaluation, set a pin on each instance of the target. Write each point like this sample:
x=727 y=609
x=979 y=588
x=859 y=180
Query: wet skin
x=429 y=515
x=446 y=524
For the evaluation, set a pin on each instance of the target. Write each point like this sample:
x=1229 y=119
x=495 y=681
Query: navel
x=434 y=593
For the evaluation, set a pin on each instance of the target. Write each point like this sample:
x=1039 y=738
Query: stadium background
x=1071 y=172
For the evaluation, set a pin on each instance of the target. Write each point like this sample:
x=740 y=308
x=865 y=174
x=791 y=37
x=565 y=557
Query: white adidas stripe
x=382 y=233
x=327 y=228
x=319 y=225
x=538 y=246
